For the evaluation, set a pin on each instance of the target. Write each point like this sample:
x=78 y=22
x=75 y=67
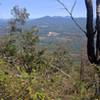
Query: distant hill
x=62 y=25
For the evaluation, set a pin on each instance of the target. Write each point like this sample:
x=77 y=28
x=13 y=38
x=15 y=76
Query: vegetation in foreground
x=28 y=72
x=42 y=75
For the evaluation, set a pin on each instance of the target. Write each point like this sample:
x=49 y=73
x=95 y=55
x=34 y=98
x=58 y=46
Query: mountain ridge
x=59 y=24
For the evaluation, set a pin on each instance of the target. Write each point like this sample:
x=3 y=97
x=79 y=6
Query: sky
x=40 y=8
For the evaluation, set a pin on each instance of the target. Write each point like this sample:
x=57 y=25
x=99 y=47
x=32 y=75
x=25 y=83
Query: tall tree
x=90 y=32
x=98 y=30
x=92 y=48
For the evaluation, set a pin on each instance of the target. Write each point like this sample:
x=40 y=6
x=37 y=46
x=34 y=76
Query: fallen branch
x=60 y=70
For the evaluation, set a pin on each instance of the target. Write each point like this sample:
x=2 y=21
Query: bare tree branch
x=70 y=13
x=73 y=6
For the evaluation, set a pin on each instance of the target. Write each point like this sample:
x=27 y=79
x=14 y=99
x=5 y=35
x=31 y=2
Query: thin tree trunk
x=98 y=47
x=98 y=30
x=90 y=32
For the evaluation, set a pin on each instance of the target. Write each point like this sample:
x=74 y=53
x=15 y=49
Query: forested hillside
x=62 y=25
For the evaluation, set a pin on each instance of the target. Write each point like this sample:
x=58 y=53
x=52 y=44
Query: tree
x=93 y=49
x=19 y=47
x=98 y=31
x=92 y=34
x=20 y=16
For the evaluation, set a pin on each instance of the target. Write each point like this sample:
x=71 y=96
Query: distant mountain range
x=62 y=25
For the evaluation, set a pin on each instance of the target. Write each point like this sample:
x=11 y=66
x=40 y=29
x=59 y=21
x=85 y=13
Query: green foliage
x=39 y=96
x=20 y=16
x=28 y=72
x=20 y=48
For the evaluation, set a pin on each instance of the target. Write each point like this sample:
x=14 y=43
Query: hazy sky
x=39 y=8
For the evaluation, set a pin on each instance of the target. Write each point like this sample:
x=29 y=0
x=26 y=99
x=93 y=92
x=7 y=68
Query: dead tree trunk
x=98 y=31
x=98 y=45
x=92 y=50
x=90 y=32
x=93 y=53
